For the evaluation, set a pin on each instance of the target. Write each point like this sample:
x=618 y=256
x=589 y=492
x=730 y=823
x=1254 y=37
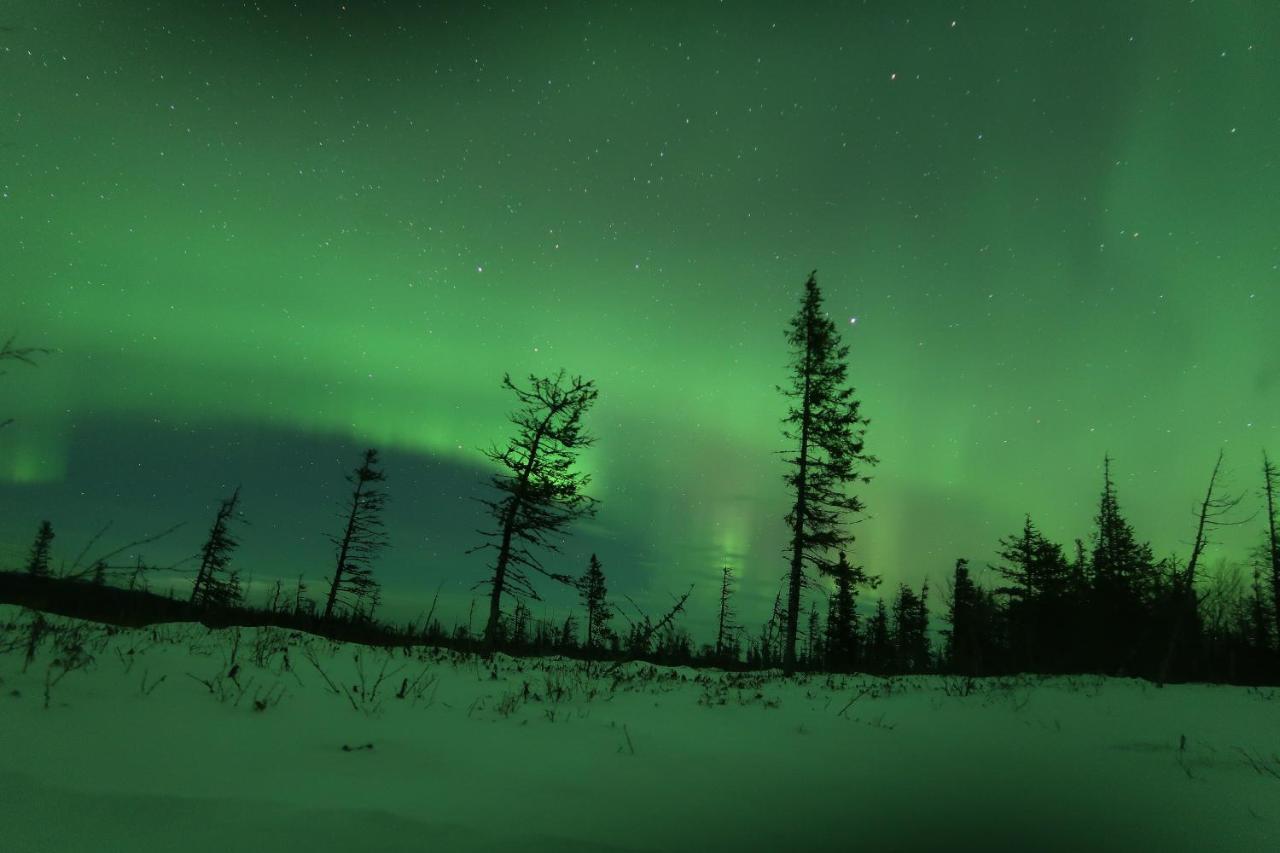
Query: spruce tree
x=842 y=629
x=38 y=561
x=725 y=627
x=910 y=638
x=879 y=644
x=1041 y=613
x=1122 y=579
x=962 y=651
x=591 y=587
x=1271 y=547
x=215 y=585
x=812 y=639
x=823 y=419
x=353 y=585
x=541 y=490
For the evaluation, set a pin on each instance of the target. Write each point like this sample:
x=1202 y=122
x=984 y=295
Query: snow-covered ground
x=152 y=747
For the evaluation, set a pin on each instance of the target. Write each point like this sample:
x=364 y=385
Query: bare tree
x=1213 y=513
x=542 y=491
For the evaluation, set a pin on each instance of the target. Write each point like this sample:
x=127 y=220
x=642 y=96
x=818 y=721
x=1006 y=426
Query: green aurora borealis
x=262 y=238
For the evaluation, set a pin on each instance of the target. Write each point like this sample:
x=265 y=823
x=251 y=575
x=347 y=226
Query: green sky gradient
x=1054 y=223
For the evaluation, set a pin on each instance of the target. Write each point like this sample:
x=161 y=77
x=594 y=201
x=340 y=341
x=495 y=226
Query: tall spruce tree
x=215 y=585
x=1123 y=577
x=541 y=489
x=963 y=652
x=1271 y=547
x=38 y=561
x=823 y=419
x=353 y=586
x=725 y=627
x=594 y=594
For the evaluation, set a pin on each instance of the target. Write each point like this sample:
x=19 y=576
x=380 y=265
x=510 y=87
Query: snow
x=152 y=748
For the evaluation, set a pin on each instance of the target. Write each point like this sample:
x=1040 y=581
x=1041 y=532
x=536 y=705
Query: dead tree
x=1212 y=514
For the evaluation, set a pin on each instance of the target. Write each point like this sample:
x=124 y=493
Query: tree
x=1041 y=613
x=1123 y=577
x=353 y=585
x=813 y=645
x=1182 y=607
x=541 y=490
x=214 y=585
x=23 y=355
x=970 y=613
x=911 y=629
x=1271 y=479
x=842 y=625
x=591 y=587
x=726 y=628
x=38 y=562
x=879 y=646
x=823 y=419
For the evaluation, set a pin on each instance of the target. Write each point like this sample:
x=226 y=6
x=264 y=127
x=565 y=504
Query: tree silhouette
x=842 y=625
x=1123 y=577
x=353 y=585
x=1271 y=548
x=911 y=629
x=963 y=652
x=824 y=421
x=214 y=585
x=1041 y=612
x=592 y=589
x=542 y=493
x=878 y=643
x=725 y=627
x=1182 y=605
x=38 y=561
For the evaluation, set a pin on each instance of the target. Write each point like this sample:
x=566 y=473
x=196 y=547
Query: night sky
x=263 y=236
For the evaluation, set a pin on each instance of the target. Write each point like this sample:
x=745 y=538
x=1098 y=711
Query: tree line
x=1110 y=607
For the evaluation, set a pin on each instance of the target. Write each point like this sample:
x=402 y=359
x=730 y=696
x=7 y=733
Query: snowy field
x=185 y=739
